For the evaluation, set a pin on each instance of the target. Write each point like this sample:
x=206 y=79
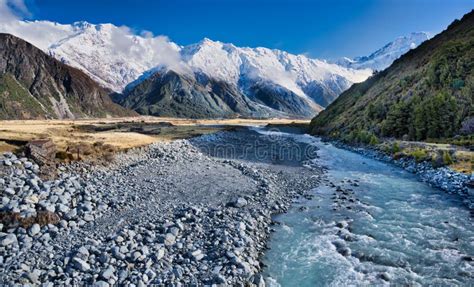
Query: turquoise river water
x=370 y=223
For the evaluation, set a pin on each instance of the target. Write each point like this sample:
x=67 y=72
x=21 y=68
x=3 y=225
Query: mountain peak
x=82 y=25
x=388 y=105
x=384 y=57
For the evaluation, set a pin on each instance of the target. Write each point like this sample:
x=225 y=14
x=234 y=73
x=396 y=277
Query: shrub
x=396 y=148
x=419 y=155
x=458 y=84
x=447 y=159
x=62 y=155
x=398 y=155
x=373 y=140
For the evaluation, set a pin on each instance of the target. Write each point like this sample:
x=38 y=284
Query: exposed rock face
x=41 y=151
x=167 y=93
x=34 y=85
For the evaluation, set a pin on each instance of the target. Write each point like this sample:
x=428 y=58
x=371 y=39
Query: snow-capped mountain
x=119 y=59
x=111 y=55
x=115 y=56
x=384 y=57
x=245 y=66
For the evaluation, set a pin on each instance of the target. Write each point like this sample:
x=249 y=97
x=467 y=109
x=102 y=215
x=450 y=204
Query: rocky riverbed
x=192 y=212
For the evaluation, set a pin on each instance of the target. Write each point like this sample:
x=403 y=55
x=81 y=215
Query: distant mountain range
x=427 y=93
x=155 y=76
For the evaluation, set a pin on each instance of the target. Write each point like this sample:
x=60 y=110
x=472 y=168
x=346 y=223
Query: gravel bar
x=182 y=213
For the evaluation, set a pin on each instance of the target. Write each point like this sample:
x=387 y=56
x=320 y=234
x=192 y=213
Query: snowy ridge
x=115 y=56
x=384 y=57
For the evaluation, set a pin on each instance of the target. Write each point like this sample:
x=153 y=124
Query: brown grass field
x=112 y=133
x=95 y=138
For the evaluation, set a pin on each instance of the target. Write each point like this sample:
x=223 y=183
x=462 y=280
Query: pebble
x=81 y=264
x=9 y=239
x=108 y=273
x=34 y=229
x=240 y=202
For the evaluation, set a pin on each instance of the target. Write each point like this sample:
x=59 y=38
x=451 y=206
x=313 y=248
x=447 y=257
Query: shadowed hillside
x=34 y=85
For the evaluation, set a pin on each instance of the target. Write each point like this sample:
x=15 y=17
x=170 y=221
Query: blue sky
x=324 y=29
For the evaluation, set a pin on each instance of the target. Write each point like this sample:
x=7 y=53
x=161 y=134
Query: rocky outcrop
x=168 y=93
x=34 y=85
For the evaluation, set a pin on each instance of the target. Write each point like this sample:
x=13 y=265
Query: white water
x=400 y=231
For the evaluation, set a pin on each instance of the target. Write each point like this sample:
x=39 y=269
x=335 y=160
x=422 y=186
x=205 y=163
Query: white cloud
x=147 y=48
x=39 y=33
x=7 y=10
x=136 y=52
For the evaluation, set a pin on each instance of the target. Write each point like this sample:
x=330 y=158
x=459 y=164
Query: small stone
x=160 y=253
x=150 y=274
x=34 y=276
x=136 y=256
x=245 y=266
x=219 y=279
x=197 y=255
x=8 y=240
x=88 y=217
x=122 y=275
x=344 y=251
x=81 y=264
x=34 y=229
x=174 y=231
x=259 y=281
x=240 y=202
x=10 y=191
x=83 y=251
x=117 y=254
x=63 y=223
x=33 y=199
x=101 y=284
x=178 y=271
x=108 y=273
x=170 y=239
x=385 y=276
x=103 y=258
x=342 y=224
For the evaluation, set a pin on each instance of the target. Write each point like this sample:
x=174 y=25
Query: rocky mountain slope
x=34 y=85
x=427 y=93
x=385 y=56
x=270 y=80
x=115 y=57
x=169 y=93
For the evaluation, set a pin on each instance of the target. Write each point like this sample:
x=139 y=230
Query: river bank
x=187 y=212
x=443 y=178
x=370 y=223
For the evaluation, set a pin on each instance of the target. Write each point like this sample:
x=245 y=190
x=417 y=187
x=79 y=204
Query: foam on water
x=399 y=230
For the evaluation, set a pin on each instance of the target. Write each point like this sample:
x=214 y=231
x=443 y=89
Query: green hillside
x=428 y=93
